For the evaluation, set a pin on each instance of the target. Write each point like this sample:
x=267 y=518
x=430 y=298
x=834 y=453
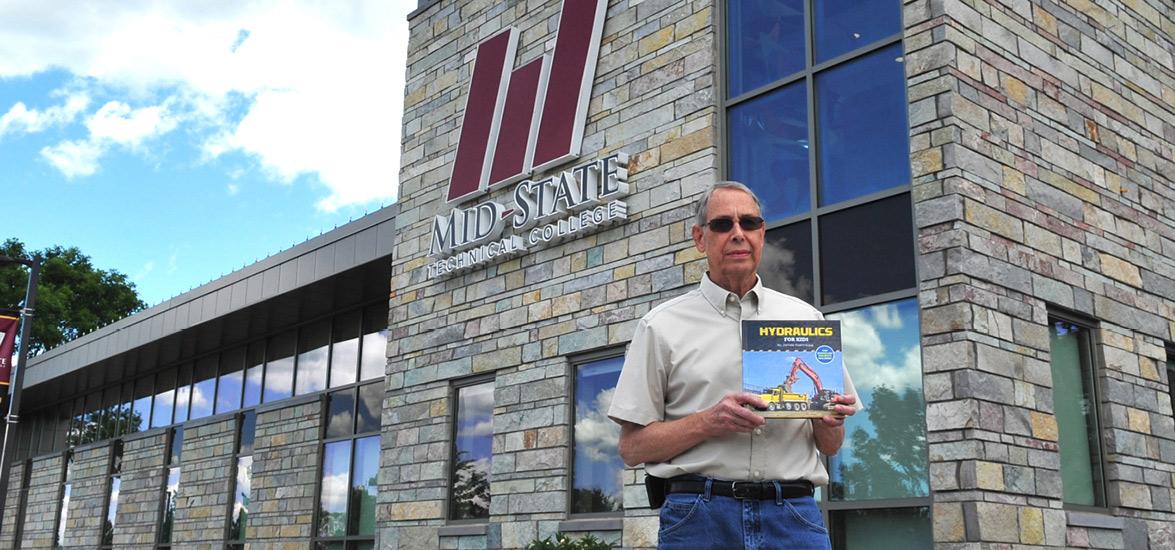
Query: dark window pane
x=255 y=366
x=239 y=522
x=470 y=498
x=375 y=342
x=141 y=407
x=232 y=376
x=364 y=485
x=765 y=41
x=330 y=546
x=881 y=528
x=313 y=347
x=336 y=472
x=92 y=419
x=344 y=349
x=884 y=451
x=370 y=405
x=861 y=122
x=164 y=399
x=841 y=27
x=112 y=416
x=175 y=452
x=597 y=483
x=340 y=420
x=169 y=501
x=204 y=387
x=248 y=433
x=1075 y=405
x=867 y=250
x=1171 y=375
x=769 y=150
x=787 y=260
x=183 y=393
x=279 y=367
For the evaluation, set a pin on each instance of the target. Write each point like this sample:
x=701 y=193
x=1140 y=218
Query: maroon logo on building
x=528 y=118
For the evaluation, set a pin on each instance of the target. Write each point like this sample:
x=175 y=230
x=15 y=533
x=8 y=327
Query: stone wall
x=12 y=505
x=654 y=99
x=206 y=482
x=1041 y=141
x=90 y=492
x=140 y=497
x=44 y=502
x=285 y=473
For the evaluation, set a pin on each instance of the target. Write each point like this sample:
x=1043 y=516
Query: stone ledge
x=1095 y=520
x=461 y=530
x=592 y=524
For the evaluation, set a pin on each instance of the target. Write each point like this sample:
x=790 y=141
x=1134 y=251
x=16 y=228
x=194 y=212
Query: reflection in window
x=164 y=399
x=344 y=349
x=350 y=468
x=841 y=27
x=140 y=417
x=66 y=493
x=472 y=445
x=875 y=238
x=370 y=405
x=340 y=416
x=171 y=488
x=765 y=41
x=596 y=482
x=232 y=374
x=238 y=527
x=375 y=342
x=279 y=367
x=884 y=528
x=769 y=150
x=787 y=260
x=862 y=128
x=112 y=502
x=884 y=453
x=332 y=509
x=183 y=393
x=255 y=361
x=313 y=352
x=1171 y=374
x=204 y=387
x=1076 y=408
x=364 y=485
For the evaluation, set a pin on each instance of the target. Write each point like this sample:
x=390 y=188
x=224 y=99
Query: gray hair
x=704 y=200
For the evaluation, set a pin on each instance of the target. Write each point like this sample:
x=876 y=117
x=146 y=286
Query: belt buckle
x=745 y=491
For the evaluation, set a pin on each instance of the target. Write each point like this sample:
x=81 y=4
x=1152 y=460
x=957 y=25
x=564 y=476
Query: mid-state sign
x=516 y=123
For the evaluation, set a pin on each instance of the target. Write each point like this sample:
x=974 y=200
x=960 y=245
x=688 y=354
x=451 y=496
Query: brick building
x=982 y=191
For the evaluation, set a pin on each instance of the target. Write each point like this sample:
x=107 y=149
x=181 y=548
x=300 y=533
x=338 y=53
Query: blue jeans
x=693 y=521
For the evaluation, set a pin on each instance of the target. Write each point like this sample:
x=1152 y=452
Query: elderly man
x=735 y=479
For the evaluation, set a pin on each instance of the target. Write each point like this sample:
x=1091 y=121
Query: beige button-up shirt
x=685 y=356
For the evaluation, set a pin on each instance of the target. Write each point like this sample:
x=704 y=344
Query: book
x=795 y=366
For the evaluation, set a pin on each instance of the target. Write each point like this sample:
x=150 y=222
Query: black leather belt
x=755 y=490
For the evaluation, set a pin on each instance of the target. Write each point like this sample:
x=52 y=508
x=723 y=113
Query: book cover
x=795 y=366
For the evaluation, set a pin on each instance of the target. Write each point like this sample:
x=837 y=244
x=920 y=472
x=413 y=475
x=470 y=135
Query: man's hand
x=729 y=415
x=842 y=406
x=829 y=431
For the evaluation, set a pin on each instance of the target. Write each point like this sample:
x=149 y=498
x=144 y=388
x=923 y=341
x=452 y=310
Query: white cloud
x=20 y=118
x=595 y=434
x=317 y=86
x=74 y=158
x=887 y=316
x=868 y=359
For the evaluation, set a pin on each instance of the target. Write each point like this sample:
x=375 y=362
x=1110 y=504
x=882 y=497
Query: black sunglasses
x=747 y=223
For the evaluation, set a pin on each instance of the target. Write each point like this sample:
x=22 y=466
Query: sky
x=176 y=142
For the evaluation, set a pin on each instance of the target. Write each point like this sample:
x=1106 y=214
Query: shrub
x=563 y=542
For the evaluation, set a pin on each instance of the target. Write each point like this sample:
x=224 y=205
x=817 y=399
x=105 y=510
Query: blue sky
x=176 y=142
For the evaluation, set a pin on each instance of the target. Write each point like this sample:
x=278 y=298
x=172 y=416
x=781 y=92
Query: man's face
x=733 y=256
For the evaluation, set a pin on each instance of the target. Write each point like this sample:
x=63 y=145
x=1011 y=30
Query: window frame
x=353 y=437
x=454 y=387
x=171 y=461
x=1170 y=364
x=575 y=362
x=237 y=455
x=63 y=507
x=115 y=459
x=1092 y=348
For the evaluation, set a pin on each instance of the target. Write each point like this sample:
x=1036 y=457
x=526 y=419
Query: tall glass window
x=350 y=469
x=140 y=418
x=344 y=349
x=183 y=391
x=254 y=375
x=1075 y=403
x=204 y=387
x=884 y=453
x=171 y=488
x=597 y=470
x=111 y=516
x=1171 y=373
x=472 y=451
x=231 y=380
x=161 y=414
x=375 y=342
x=279 y=367
x=66 y=492
x=238 y=517
x=816 y=124
x=313 y=355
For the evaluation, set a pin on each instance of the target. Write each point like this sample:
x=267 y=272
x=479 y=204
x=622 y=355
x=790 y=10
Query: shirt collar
x=718 y=296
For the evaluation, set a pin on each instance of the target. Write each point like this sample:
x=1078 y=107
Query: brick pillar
x=285 y=470
x=205 y=483
x=87 y=502
x=44 y=501
x=141 y=495
x=12 y=505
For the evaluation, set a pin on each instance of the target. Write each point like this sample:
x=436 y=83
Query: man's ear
x=696 y=231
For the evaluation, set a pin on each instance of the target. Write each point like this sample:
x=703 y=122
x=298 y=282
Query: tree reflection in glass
x=884 y=453
x=470 y=497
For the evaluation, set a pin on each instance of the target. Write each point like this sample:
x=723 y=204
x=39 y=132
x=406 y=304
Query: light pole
x=26 y=328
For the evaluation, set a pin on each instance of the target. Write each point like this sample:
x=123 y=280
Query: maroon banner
x=7 y=344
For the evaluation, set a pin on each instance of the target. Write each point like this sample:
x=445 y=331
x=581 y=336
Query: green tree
x=892 y=463
x=73 y=297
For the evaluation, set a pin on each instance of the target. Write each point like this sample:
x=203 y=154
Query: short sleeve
x=640 y=391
